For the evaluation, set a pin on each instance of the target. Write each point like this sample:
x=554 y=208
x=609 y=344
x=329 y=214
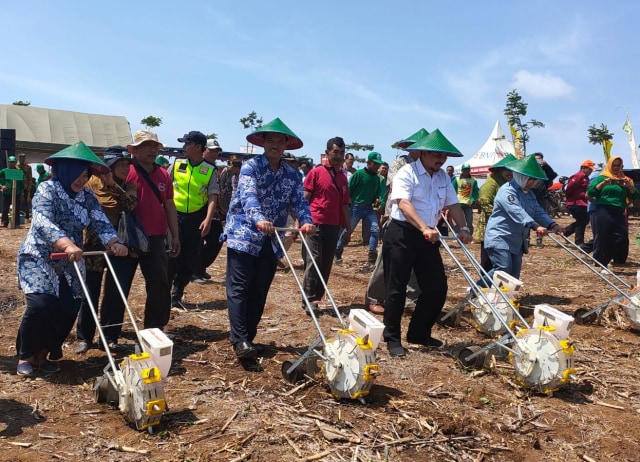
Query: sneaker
x=338 y=255
x=25 y=369
x=177 y=303
x=428 y=342
x=50 y=367
x=81 y=347
x=396 y=349
x=200 y=280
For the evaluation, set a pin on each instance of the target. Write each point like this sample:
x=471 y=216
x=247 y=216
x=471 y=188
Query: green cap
x=504 y=161
x=375 y=157
x=39 y=166
x=80 y=151
x=409 y=140
x=161 y=160
x=527 y=166
x=435 y=142
x=465 y=166
x=12 y=159
x=275 y=126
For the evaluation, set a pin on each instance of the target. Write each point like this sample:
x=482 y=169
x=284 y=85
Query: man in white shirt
x=421 y=191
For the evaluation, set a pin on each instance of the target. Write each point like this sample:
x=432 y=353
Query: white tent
x=495 y=148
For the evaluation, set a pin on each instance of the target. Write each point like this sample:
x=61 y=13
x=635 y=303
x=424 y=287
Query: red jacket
x=576 y=187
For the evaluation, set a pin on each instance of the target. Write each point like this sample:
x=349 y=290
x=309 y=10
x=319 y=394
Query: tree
x=603 y=137
x=515 y=110
x=396 y=145
x=22 y=103
x=252 y=122
x=151 y=121
x=355 y=146
x=212 y=136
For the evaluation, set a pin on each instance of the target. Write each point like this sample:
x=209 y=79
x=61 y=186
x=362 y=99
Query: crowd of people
x=188 y=209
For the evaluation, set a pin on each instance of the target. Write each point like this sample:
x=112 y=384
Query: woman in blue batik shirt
x=62 y=209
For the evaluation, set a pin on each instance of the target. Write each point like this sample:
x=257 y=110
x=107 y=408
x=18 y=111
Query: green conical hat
x=435 y=142
x=409 y=140
x=504 y=161
x=275 y=126
x=527 y=166
x=162 y=160
x=80 y=151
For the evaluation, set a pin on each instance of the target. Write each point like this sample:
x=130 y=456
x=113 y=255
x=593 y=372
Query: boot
x=373 y=256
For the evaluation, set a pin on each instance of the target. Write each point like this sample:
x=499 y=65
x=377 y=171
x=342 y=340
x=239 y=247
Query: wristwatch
x=465 y=228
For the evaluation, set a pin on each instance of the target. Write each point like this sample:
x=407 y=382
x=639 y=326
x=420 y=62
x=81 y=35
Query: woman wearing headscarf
x=610 y=192
x=515 y=212
x=498 y=175
x=115 y=196
x=62 y=209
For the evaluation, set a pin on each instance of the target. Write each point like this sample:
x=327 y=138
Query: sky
x=372 y=72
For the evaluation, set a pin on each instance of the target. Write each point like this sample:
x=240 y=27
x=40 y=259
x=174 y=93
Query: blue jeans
x=505 y=260
x=369 y=219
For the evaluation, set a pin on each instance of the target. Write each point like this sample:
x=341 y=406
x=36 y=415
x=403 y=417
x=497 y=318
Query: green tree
x=22 y=103
x=252 y=122
x=601 y=136
x=515 y=111
x=355 y=146
x=151 y=121
x=212 y=136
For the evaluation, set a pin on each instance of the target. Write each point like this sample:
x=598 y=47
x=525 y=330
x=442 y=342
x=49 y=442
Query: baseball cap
x=213 y=144
x=375 y=157
x=113 y=154
x=12 y=159
x=194 y=136
x=589 y=164
x=465 y=166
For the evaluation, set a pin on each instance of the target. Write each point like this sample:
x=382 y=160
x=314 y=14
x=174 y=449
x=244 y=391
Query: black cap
x=113 y=154
x=196 y=137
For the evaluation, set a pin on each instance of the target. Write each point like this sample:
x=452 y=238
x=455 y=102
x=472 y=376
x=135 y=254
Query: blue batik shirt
x=56 y=215
x=264 y=195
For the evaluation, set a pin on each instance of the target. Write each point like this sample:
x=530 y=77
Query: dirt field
x=422 y=407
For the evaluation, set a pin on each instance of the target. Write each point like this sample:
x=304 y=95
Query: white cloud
x=543 y=86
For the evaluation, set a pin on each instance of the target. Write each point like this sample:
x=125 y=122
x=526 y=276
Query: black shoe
x=338 y=255
x=260 y=349
x=373 y=256
x=244 y=350
x=428 y=341
x=396 y=349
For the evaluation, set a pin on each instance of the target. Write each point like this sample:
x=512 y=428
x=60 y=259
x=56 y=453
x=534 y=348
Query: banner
x=606 y=147
x=632 y=143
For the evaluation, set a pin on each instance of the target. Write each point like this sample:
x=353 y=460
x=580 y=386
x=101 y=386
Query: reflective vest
x=190 y=184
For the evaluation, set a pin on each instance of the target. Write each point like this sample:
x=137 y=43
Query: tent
x=495 y=148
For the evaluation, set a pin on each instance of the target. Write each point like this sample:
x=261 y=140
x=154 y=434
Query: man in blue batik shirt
x=268 y=189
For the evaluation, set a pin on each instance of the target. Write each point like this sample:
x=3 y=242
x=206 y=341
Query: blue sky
x=372 y=72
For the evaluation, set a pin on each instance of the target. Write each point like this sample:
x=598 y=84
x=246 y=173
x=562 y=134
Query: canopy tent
x=495 y=148
x=41 y=132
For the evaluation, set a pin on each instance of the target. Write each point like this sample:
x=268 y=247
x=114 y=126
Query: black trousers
x=581 y=217
x=210 y=247
x=153 y=265
x=111 y=310
x=46 y=322
x=405 y=249
x=248 y=282
x=323 y=248
x=185 y=265
x=610 y=233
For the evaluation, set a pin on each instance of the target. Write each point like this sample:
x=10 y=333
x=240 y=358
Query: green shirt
x=9 y=183
x=365 y=187
x=611 y=194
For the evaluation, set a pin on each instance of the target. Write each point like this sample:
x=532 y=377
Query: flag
x=632 y=143
x=606 y=147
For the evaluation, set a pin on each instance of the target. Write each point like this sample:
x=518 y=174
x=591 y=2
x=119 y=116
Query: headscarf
x=521 y=180
x=66 y=171
x=609 y=173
